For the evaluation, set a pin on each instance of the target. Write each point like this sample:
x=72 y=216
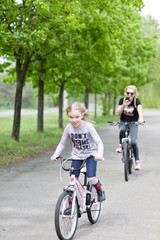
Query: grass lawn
x=32 y=143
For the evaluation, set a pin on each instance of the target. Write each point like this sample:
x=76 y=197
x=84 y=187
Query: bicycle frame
x=127 y=139
x=78 y=190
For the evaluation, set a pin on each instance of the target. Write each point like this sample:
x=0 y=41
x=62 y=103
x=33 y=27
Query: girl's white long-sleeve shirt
x=84 y=141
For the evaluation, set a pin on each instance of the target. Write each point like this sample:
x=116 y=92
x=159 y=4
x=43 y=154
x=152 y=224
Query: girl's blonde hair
x=134 y=89
x=81 y=108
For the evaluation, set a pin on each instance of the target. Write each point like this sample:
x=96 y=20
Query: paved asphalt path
x=29 y=191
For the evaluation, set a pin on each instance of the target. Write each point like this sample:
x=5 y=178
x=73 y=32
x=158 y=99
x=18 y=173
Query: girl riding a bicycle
x=130 y=110
x=84 y=141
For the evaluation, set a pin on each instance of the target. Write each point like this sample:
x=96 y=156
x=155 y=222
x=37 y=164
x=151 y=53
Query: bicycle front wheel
x=126 y=160
x=65 y=224
x=95 y=207
x=130 y=163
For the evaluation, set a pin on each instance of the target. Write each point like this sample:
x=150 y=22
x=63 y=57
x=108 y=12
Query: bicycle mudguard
x=125 y=140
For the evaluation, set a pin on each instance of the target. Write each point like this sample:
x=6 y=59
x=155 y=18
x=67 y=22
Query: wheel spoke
x=94 y=211
x=64 y=224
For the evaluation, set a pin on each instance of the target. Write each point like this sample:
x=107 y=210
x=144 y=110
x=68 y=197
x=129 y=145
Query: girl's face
x=130 y=93
x=75 y=118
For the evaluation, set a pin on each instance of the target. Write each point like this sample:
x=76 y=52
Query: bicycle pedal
x=79 y=214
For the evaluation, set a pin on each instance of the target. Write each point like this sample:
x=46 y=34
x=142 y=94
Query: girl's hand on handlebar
x=98 y=158
x=53 y=158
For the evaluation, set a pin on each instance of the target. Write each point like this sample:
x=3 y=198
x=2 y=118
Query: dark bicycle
x=127 y=150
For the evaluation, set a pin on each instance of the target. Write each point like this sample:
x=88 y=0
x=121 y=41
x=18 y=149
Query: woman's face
x=75 y=118
x=130 y=93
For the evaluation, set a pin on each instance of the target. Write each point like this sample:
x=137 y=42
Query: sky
x=152 y=8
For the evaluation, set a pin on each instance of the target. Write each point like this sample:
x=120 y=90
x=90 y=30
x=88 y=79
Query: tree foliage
x=95 y=46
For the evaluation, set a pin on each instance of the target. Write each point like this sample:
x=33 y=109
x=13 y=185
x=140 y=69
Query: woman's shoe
x=137 y=165
x=119 y=149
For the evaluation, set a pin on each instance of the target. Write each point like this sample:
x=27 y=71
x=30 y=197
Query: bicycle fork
x=128 y=141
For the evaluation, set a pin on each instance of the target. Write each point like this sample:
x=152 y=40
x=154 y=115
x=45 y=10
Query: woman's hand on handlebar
x=141 y=121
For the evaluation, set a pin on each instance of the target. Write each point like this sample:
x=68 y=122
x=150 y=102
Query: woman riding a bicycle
x=130 y=110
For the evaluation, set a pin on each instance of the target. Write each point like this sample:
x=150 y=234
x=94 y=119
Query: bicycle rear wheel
x=65 y=225
x=93 y=212
x=126 y=160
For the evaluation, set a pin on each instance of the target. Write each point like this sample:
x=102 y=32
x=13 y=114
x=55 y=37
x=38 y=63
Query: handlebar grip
x=139 y=123
x=113 y=122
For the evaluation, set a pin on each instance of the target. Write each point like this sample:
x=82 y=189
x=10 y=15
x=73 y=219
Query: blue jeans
x=91 y=166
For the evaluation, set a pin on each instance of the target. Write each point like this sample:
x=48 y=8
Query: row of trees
x=149 y=94
x=80 y=46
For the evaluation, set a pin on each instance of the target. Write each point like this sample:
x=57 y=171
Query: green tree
x=151 y=89
x=25 y=29
x=89 y=44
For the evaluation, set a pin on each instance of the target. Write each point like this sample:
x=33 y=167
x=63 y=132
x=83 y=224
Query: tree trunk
x=40 y=105
x=21 y=72
x=86 y=97
x=104 y=104
x=114 y=104
x=17 y=110
x=95 y=105
x=60 y=103
x=109 y=104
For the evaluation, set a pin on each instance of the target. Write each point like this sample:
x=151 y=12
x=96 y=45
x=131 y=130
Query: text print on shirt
x=80 y=141
x=128 y=111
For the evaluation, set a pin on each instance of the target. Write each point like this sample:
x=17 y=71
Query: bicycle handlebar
x=70 y=159
x=125 y=123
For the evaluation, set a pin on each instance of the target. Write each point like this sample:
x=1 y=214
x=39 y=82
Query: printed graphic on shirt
x=129 y=111
x=80 y=141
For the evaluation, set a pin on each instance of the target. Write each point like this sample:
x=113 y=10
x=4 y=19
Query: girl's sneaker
x=67 y=211
x=119 y=149
x=101 y=196
x=138 y=166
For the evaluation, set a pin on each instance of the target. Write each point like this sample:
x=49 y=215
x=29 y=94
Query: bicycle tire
x=93 y=212
x=126 y=161
x=130 y=160
x=65 y=225
x=130 y=166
